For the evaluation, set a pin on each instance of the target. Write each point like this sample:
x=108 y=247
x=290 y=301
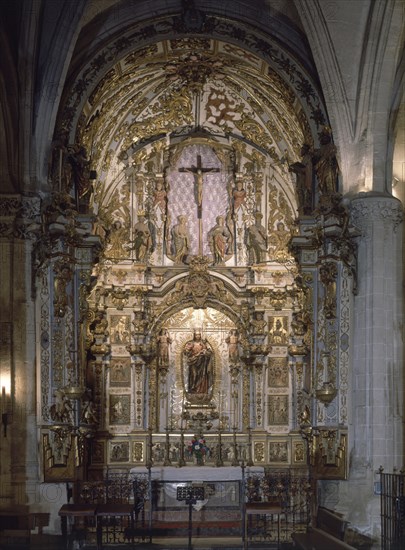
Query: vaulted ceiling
x=186 y=71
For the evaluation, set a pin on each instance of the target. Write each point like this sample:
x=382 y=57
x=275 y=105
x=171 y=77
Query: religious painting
x=158 y=452
x=198 y=369
x=298 y=452
x=278 y=330
x=120 y=372
x=279 y=452
x=278 y=372
x=120 y=329
x=278 y=410
x=119 y=451
x=120 y=409
x=97 y=452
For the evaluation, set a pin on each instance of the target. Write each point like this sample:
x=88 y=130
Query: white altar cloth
x=197 y=473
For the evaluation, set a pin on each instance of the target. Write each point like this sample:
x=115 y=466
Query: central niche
x=198 y=367
x=198 y=379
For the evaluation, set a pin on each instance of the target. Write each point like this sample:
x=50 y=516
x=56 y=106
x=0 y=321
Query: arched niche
x=179 y=404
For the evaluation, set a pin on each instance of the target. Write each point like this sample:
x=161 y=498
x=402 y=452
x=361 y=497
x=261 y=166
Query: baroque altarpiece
x=196 y=278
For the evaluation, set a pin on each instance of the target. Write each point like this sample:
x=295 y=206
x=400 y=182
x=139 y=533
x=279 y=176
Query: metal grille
x=290 y=487
x=392 y=511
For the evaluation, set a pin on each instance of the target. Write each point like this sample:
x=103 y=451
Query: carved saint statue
x=198 y=355
x=163 y=344
x=160 y=197
x=117 y=239
x=257 y=240
x=233 y=346
x=180 y=240
x=326 y=165
x=219 y=239
x=238 y=196
x=142 y=242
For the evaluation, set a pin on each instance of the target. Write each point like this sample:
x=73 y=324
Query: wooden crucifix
x=199 y=172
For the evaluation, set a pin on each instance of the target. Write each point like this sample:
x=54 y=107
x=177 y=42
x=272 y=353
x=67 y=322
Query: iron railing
x=392 y=510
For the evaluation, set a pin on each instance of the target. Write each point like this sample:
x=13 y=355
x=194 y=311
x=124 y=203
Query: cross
x=199 y=172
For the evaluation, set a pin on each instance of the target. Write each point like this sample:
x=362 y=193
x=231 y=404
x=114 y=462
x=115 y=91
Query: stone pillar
x=376 y=430
x=19 y=468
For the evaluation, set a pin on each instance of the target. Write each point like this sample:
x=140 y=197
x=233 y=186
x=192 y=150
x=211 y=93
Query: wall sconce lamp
x=5 y=414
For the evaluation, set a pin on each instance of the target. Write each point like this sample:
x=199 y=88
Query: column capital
x=367 y=208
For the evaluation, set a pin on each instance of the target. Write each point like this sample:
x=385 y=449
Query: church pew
x=329 y=533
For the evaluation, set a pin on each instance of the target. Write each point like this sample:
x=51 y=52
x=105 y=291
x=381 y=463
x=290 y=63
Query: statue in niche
x=180 y=240
x=233 y=346
x=328 y=274
x=88 y=412
x=238 y=196
x=277 y=333
x=117 y=239
x=278 y=242
x=61 y=410
x=163 y=345
x=257 y=240
x=258 y=323
x=160 y=197
x=220 y=241
x=142 y=243
x=140 y=323
x=199 y=360
x=63 y=275
x=100 y=324
x=304 y=179
x=326 y=166
x=77 y=158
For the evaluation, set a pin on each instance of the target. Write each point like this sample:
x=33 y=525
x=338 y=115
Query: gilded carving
x=137 y=451
x=278 y=372
x=258 y=452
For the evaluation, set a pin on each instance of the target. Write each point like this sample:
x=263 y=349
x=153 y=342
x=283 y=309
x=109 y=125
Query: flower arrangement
x=197 y=447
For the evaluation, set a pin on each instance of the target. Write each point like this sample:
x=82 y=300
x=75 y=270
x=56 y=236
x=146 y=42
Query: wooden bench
x=329 y=533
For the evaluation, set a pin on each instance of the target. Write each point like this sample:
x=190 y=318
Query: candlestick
x=181 y=462
x=149 y=462
x=250 y=457
x=219 y=462
x=235 y=461
x=167 y=461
